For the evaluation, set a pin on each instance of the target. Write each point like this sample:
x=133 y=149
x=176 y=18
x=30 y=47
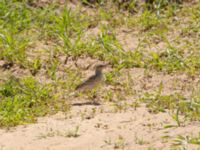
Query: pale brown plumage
x=92 y=81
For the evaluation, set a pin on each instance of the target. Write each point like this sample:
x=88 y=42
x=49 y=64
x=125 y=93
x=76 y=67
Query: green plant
x=51 y=68
x=69 y=134
x=15 y=16
x=22 y=100
x=148 y=20
x=12 y=47
x=176 y=103
x=184 y=141
x=120 y=143
x=35 y=66
x=68 y=28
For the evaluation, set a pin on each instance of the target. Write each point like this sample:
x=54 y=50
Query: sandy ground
x=90 y=127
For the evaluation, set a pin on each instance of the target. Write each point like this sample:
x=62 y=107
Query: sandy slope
x=100 y=127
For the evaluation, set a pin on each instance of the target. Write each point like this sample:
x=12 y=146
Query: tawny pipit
x=93 y=81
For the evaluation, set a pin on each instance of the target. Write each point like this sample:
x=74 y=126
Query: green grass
x=22 y=100
x=176 y=104
x=15 y=21
x=35 y=38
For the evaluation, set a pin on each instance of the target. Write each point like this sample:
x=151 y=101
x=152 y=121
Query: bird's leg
x=93 y=97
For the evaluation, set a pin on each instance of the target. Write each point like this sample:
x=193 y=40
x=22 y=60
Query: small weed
x=120 y=143
x=68 y=134
x=184 y=141
x=52 y=68
x=151 y=148
x=109 y=96
x=35 y=66
x=148 y=20
x=140 y=141
x=73 y=133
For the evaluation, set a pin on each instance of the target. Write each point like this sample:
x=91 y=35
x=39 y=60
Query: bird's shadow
x=86 y=103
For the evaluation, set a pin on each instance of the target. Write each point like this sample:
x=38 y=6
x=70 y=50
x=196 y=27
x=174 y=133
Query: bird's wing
x=88 y=81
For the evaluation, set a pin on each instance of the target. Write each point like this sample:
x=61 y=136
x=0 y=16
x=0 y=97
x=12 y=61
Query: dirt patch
x=84 y=128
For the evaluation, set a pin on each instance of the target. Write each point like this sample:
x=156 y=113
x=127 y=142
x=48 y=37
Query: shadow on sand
x=86 y=103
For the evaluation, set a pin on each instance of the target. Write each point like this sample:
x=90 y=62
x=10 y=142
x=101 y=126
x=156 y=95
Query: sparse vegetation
x=22 y=100
x=175 y=103
x=184 y=141
x=68 y=134
x=44 y=48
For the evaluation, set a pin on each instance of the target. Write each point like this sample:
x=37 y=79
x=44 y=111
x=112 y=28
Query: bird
x=93 y=81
